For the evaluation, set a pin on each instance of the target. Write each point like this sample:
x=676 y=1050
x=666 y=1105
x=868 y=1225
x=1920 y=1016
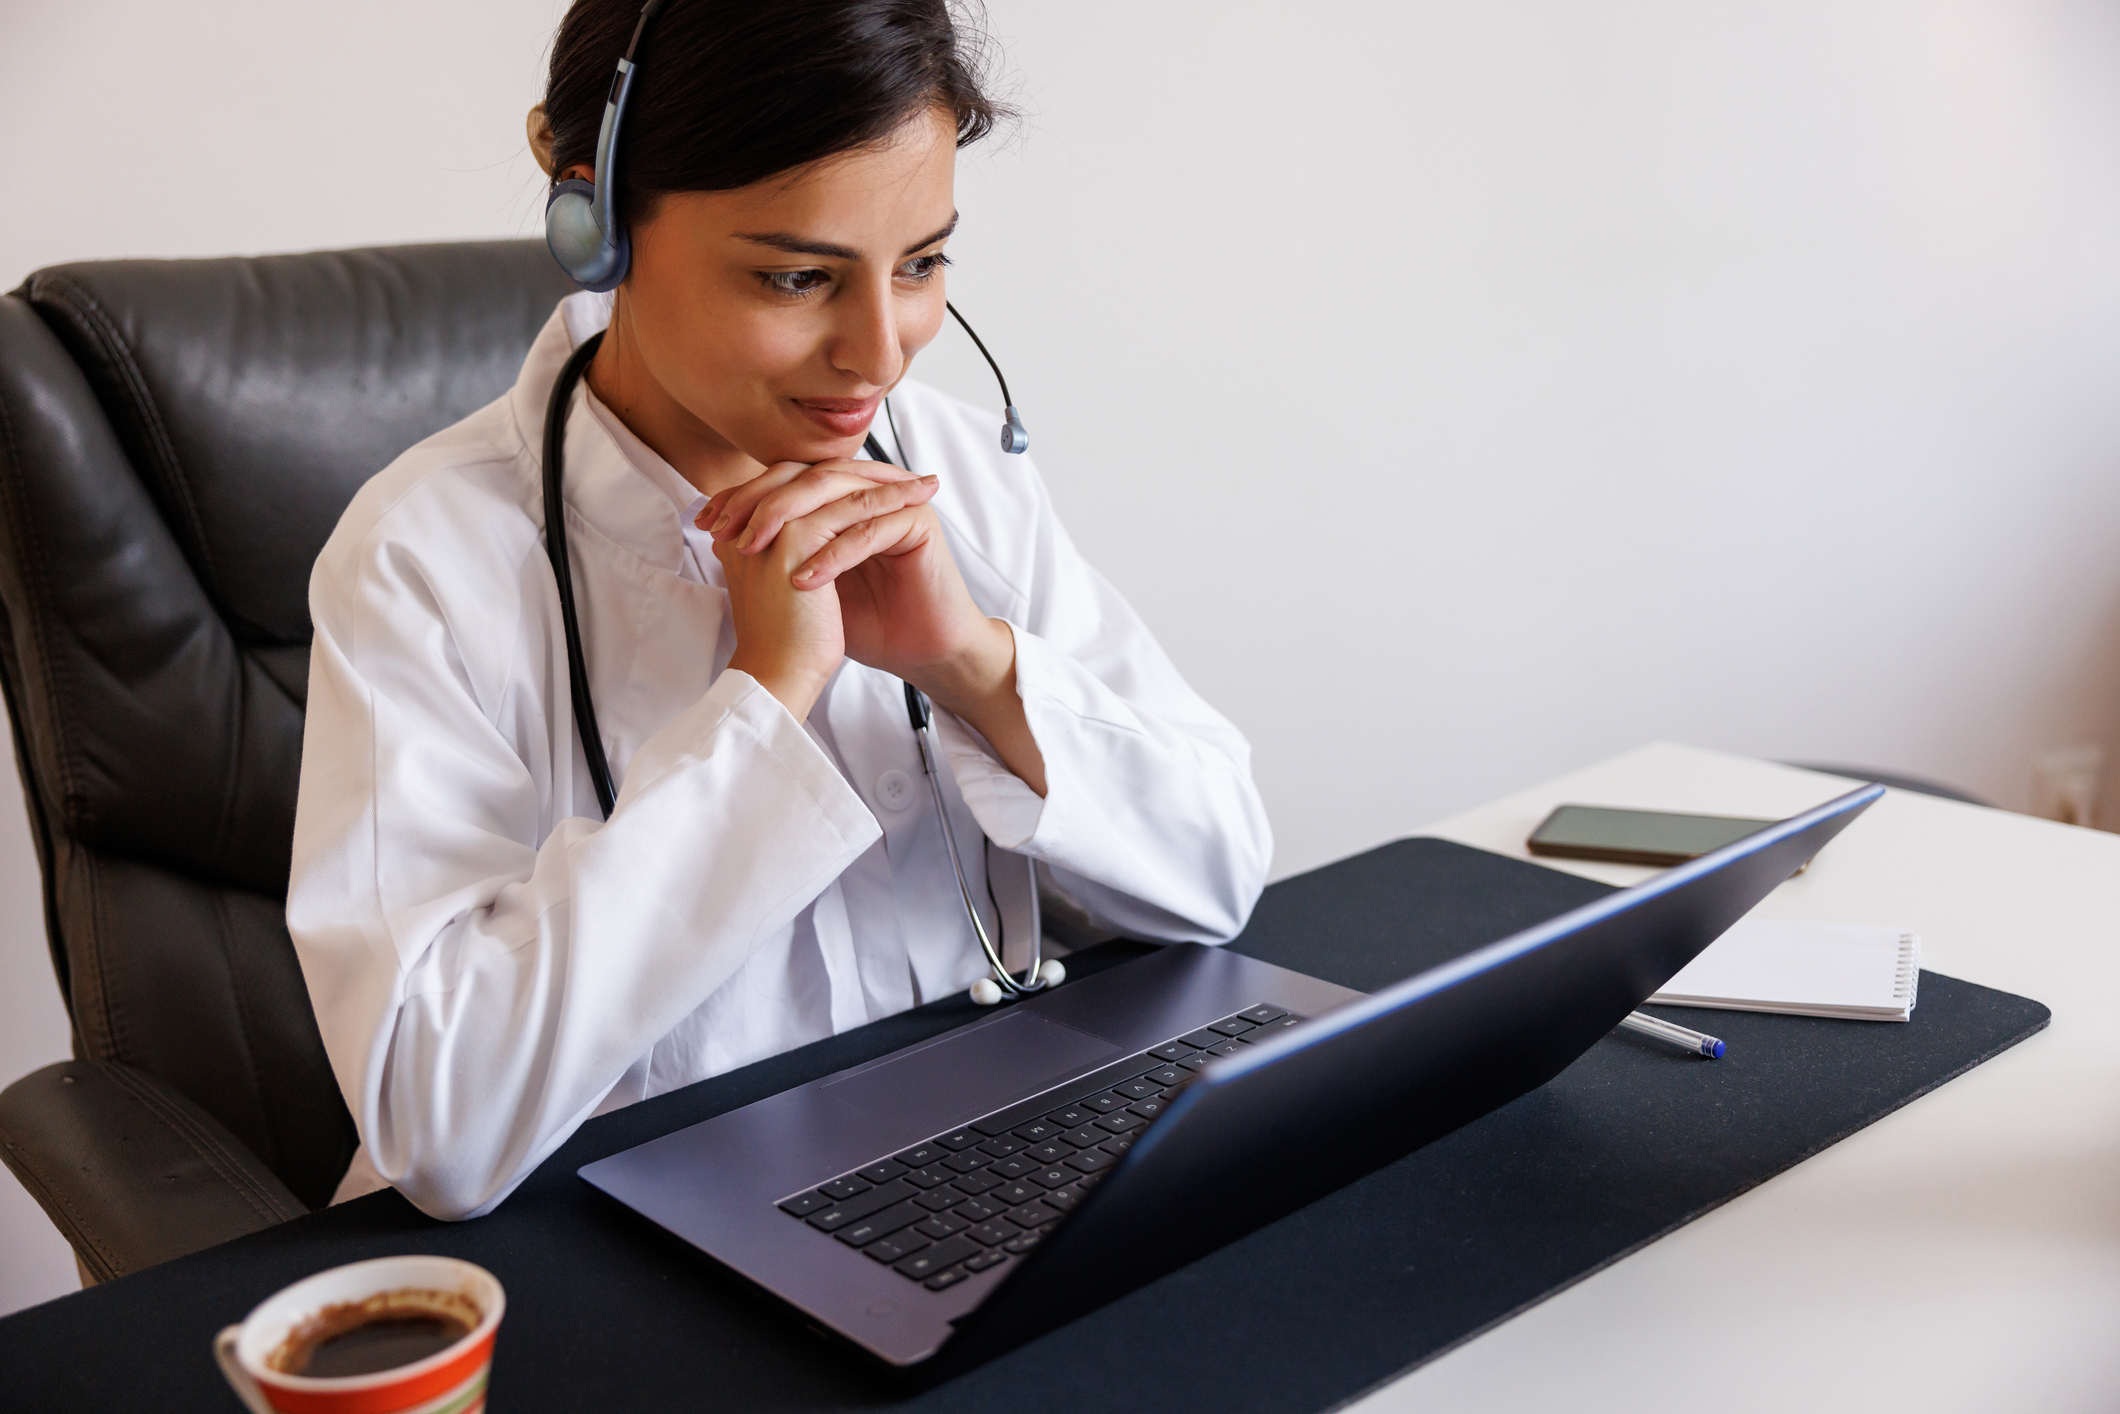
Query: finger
x=723 y=505
x=893 y=534
x=869 y=503
x=802 y=495
x=727 y=509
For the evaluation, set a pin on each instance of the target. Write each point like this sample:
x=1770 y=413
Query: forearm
x=531 y=986
x=979 y=689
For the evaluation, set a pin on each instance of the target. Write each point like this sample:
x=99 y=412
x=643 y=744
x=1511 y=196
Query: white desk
x=1961 y=1254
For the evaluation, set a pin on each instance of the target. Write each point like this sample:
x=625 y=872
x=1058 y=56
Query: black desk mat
x=1629 y=1143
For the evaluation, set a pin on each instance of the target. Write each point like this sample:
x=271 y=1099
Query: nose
x=866 y=343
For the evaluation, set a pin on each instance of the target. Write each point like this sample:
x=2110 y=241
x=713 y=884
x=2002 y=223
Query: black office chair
x=177 y=439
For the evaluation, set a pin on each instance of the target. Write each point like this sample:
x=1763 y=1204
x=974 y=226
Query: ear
x=539 y=130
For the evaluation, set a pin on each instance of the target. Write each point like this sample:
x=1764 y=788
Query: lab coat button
x=894 y=789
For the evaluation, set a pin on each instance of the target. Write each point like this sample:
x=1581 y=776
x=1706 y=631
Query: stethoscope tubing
x=557 y=411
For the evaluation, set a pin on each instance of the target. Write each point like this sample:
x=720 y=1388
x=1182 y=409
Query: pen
x=1678 y=1035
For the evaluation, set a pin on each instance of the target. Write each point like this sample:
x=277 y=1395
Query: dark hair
x=734 y=91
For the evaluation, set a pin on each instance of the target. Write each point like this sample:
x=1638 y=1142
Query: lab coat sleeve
x=482 y=983
x=1150 y=819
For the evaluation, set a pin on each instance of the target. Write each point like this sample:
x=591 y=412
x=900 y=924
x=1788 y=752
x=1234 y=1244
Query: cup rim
x=491 y=1297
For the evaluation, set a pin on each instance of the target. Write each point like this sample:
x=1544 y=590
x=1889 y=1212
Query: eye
x=924 y=267
x=795 y=282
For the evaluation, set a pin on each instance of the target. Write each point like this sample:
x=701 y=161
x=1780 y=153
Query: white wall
x=1463 y=390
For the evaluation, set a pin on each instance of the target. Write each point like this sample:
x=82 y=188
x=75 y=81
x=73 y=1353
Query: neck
x=623 y=384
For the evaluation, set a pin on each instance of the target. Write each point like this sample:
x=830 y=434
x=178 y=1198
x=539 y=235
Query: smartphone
x=1636 y=836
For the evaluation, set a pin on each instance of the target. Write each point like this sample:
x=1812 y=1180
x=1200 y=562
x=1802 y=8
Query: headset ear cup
x=582 y=248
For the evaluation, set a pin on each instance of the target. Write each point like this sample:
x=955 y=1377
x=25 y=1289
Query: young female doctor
x=493 y=953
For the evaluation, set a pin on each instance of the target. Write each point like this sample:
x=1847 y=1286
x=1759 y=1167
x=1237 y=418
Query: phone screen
x=1636 y=836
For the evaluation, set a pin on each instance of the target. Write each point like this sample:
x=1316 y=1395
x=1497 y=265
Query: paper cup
x=452 y=1381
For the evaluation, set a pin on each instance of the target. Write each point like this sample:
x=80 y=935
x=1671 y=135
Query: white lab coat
x=491 y=963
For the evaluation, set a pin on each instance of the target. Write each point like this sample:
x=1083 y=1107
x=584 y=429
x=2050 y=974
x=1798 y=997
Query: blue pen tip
x=1715 y=1054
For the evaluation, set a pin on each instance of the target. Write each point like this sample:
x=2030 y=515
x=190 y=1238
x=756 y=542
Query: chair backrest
x=177 y=440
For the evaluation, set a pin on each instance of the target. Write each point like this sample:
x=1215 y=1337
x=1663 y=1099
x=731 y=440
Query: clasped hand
x=847 y=559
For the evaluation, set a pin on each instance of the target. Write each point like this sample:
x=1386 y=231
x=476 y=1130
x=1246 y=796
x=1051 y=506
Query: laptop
x=963 y=1195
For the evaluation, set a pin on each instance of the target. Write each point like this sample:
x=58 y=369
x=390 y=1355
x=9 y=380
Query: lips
x=842 y=417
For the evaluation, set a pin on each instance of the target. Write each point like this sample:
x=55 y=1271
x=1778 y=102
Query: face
x=766 y=324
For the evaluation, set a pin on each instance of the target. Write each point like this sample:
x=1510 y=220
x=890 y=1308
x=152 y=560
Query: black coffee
x=383 y=1344
x=381 y=1332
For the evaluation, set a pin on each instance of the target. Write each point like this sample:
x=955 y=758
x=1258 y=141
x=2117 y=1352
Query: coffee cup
x=396 y=1335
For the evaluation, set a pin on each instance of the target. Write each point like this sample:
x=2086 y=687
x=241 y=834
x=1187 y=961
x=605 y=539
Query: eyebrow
x=796 y=245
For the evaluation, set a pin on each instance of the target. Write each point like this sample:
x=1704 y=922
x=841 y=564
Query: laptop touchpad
x=980 y=1070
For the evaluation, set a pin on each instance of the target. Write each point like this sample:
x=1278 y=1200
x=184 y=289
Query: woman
x=492 y=961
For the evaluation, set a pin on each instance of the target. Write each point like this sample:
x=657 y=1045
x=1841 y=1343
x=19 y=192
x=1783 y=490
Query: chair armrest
x=128 y=1170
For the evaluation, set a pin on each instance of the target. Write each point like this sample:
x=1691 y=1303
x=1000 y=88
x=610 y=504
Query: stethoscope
x=585 y=237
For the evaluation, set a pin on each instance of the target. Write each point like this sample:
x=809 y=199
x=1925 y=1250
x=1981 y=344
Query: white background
x=1463 y=390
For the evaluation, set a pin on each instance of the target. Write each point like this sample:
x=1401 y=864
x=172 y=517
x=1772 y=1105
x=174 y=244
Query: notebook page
x=1818 y=969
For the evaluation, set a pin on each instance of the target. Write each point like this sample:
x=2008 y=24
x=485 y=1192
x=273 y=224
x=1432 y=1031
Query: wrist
x=797 y=690
x=982 y=673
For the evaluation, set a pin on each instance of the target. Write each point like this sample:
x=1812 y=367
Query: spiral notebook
x=1852 y=971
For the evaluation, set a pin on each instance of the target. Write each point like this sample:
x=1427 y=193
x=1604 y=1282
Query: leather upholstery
x=177 y=440
x=129 y=1169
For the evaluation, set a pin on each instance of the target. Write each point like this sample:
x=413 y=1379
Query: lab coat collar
x=625 y=492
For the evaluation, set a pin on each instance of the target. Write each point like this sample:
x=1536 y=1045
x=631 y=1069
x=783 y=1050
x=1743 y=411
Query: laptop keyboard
x=972 y=1198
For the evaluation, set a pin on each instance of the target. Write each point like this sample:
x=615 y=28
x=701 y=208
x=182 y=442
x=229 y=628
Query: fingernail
x=719 y=524
x=930 y=480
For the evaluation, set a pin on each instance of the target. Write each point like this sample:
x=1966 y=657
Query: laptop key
x=1171 y=1050
x=1052 y=1151
x=1015 y=1167
x=1022 y=1244
x=840 y=1189
x=1121 y=1122
x=1032 y=1215
x=1070 y=1117
x=1053 y=1177
x=921 y=1155
x=1261 y=1014
x=1087 y=1137
x=991 y=1234
x=838 y=1215
x=1001 y=1148
x=1235 y=1026
x=1230 y=1048
x=1167 y=1075
x=1203 y=1039
x=978 y=1183
x=1197 y=1063
x=863 y=1231
x=962 y=1139
x=941 y=1225
x=942 y=1281
x=1138 y=1089
x=882 y=1171
x=1063 y=1198
x=1010 y=1194
x=1270 y=1029
x=1104 y=1104
x=1116 y=1147
x=937 y=1199
x=933 y=1177
x=1148 y=1108
x=976 y=1210
x=970 y=1161
x=804 y=1204
x=891 y=1249
x=984 y=1260
x=1091 y=1161
x=946 y=1253
x=1037 y=1131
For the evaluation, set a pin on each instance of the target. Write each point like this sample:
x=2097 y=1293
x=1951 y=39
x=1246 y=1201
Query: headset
x=584 y=234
